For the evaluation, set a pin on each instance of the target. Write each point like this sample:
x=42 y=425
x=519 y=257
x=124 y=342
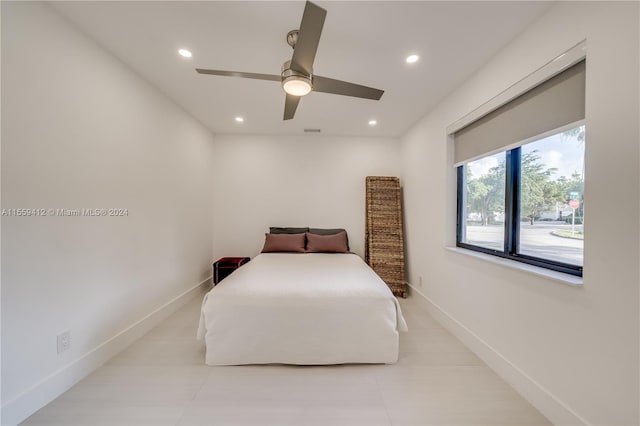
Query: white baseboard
x=540 y=397
x=49 y=388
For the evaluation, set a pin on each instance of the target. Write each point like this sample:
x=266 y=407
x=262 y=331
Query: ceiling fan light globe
x=297 y=85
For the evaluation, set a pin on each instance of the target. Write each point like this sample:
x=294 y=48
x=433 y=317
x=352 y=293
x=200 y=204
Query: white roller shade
x=555 y=103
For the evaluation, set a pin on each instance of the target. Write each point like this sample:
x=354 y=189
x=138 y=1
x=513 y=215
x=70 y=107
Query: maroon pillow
x=283 y=242
x=336 y=243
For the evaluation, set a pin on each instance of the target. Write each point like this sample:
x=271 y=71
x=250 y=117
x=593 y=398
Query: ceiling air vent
x=312 y=130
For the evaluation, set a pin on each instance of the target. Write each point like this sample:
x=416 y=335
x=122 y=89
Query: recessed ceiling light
x=372 y=122
x=239 y=119
x=412 y=58
x=185 y=53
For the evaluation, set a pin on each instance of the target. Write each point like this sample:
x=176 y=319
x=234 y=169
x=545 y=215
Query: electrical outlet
x=420 y=281
x=64 y=341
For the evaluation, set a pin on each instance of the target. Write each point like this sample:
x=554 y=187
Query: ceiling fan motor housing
x=287 y=71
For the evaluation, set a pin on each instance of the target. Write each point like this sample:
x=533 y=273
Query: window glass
x=552 y=198
x=527 y=203
x=484 y=186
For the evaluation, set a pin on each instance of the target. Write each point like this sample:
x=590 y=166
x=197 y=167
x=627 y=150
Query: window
x=521 y=183
x=527 y=203
x=552 y=175
x=484 y=186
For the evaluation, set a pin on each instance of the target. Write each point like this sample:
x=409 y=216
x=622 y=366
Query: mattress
x=305 y=309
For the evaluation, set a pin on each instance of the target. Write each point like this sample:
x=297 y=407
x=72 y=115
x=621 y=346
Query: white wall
x=80 y=130
x=571 y=351
x=310 y=180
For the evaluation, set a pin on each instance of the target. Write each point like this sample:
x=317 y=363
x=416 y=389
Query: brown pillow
x=283 y=242
x=326 y=231
x=336 y=243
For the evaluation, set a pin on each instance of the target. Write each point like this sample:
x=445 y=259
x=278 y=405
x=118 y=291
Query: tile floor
x=162 y=380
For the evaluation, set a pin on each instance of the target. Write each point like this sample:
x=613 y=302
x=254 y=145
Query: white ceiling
x=362 y=42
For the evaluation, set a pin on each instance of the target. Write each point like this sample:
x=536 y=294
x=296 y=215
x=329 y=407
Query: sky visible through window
x=561 y=151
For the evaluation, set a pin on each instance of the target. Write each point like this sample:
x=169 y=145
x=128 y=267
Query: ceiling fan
x=297 y=76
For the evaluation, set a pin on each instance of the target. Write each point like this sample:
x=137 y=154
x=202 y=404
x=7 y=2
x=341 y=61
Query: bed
x=301 y=308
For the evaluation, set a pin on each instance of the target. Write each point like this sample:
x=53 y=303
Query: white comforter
x=301 y=309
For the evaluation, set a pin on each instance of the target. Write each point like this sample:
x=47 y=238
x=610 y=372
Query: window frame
x=511 y=219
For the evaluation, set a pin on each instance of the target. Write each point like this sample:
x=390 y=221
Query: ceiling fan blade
x=339 y=87
x=309 y=33
x=256 y=76
x=290 y=105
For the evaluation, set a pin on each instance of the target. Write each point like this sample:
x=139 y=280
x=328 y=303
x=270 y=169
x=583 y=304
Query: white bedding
x=296 y=308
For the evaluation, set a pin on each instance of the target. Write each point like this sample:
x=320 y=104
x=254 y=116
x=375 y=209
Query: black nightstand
x=224 y=266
